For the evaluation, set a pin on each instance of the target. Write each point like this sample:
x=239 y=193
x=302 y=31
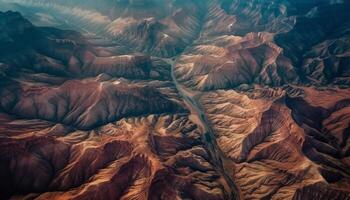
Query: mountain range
x=175 y=99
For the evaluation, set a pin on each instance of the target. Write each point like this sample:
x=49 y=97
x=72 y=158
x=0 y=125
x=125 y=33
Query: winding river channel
x=208 y=137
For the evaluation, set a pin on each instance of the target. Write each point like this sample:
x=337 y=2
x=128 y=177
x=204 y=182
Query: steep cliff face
x=164 y=99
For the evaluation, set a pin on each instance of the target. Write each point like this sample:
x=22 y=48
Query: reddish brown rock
x=252 y=101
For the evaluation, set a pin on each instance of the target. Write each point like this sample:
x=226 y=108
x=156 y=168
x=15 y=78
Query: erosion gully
x=209 y=139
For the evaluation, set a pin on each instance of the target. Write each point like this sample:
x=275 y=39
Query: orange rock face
x=163 y=99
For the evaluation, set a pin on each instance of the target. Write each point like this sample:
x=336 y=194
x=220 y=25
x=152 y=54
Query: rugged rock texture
x=269 y=43
x=174 y=99
x=157 y=27
x=80 y=119
x=67 y=53
x=158 y=156
x=285 y=144
x=328 y=62
x=84 y=104
x=229 y=61
x=39 y=63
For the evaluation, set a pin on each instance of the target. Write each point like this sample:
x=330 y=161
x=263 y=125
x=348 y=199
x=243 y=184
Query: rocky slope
x=158 y=156
x=285 y=144
x=158 y=27
x=270 y=44
x=282 y=120
x=81 y=117
x=161 y=99
x=67 y=53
